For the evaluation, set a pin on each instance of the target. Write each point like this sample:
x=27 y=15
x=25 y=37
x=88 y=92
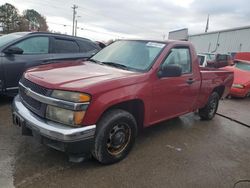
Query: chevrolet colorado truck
x=98 y=106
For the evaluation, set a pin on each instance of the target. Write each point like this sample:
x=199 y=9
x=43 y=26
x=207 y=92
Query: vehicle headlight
x=64 y=116
x=240 y=86
x=71 y=96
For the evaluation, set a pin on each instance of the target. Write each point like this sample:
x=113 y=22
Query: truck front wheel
x=208 y=112
x=115 y=136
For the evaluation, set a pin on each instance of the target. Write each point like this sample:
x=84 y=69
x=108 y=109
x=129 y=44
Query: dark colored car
x=22 y=50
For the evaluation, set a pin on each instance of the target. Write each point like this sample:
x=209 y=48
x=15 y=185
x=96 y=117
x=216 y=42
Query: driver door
x=174 y=96
x=35 y=52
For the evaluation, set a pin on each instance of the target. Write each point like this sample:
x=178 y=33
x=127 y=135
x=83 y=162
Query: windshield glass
x=134 y=55
x=243 y=66
x=8 y=38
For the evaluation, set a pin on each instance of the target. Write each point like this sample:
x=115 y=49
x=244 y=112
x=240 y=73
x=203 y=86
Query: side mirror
x=170 y=71
x=13 y=50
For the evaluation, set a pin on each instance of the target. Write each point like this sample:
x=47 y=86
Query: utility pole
x=207 y=25
x=74 y=16
x=76 y=25
x=76 y=28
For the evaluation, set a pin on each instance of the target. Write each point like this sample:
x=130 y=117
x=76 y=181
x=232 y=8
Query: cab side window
x=34 y=45
x=181 y=57
x=86 y=46
x=65 y=46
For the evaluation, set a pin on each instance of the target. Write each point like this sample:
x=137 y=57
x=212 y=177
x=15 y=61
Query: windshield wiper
x=116 y=65
x=95 y=61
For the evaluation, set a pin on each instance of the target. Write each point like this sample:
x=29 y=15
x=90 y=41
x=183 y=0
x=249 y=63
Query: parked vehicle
x=241 y=84
x=214 y=60
x=99 y=105
x=204 y=57
x=221 y=60
x=242 y=56
x=101 y=44
x=22 y=50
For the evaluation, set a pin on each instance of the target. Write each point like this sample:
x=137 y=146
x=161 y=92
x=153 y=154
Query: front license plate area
x=18 y=120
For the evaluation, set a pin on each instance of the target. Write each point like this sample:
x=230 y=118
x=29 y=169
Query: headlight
x=71 y=96
x=68 y=117
x=240 y=86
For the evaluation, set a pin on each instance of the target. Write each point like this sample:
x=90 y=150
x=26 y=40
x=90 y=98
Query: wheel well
x=135 y=107
x=219 y=90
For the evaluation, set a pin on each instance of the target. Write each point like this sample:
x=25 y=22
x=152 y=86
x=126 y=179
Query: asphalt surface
x=183 y=152
x=237 y=109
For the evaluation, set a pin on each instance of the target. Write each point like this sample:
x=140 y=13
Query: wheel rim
x=212 y=106
x=118 y=139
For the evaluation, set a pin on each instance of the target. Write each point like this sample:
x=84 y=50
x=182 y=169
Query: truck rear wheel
x=208 y=112
x=115 y=136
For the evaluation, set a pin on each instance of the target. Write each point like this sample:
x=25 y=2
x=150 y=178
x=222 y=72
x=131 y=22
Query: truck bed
x=214 y=78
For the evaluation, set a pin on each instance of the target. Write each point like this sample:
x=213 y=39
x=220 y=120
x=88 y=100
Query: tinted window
x=222 y=57
x=65 y=46
x=181 y=57
x=86 y=46
x=34 y=45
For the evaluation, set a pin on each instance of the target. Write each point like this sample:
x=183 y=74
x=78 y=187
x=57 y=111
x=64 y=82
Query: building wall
x=234 y=40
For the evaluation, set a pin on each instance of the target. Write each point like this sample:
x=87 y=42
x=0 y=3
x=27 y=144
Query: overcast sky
x=106 y=19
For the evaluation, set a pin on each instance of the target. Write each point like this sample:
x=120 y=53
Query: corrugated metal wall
x=227 y=41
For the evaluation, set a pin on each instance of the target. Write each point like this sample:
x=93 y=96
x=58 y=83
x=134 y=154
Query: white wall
x=228 y=41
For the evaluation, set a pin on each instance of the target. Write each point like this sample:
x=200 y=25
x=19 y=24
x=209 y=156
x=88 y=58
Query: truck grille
x=34 y=87
x=32 y=104
x=30 y=101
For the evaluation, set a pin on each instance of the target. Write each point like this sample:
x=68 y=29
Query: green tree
x=9 y=18
x=36 y=20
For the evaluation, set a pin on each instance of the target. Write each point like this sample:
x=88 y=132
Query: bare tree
x=36 y=20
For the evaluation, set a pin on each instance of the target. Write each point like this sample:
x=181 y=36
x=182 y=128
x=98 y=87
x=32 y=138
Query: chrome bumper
x=48 y=128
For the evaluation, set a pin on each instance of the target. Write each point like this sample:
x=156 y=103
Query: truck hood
x=76 y=75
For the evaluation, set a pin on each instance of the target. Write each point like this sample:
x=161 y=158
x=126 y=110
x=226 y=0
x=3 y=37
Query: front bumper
x=55 y=135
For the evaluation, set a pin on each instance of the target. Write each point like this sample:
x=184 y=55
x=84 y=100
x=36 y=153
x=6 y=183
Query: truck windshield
x=243 y=66
x=133 y=55
x=10 y=37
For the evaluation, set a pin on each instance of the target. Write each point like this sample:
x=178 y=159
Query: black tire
x=209 y=111
x=115 y=127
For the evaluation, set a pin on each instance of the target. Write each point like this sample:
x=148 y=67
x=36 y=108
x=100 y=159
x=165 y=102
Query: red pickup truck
x=97 y=106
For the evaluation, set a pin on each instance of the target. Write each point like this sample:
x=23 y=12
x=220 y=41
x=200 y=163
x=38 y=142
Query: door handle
x=190 y=81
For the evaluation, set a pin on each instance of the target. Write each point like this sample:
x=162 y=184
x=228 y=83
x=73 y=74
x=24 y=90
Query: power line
x=49 y=5
x=86 y=29
x=88 y=11
x=113 y=18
